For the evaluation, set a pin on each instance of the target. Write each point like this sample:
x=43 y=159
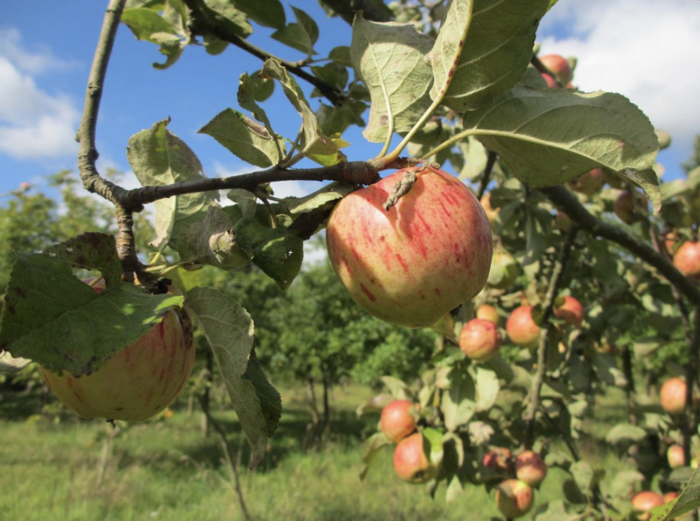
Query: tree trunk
x=629 y=388
x=326 y=402
x=206 y=395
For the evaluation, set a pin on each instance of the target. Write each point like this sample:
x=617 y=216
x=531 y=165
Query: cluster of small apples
x=410 y=460
x=515 y=495
x=645 y=501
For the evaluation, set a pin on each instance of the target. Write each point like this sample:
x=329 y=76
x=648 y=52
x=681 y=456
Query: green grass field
x=166 y=470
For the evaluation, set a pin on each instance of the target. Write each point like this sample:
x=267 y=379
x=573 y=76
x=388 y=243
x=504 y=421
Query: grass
x=166 y=470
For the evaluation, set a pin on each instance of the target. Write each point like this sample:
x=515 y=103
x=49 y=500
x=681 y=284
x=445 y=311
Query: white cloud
x=646 y=50
x=34 y=63
x=33 y=123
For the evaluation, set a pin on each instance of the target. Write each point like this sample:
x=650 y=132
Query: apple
x=687 y=259
x=571 y=311
x=396 y=421
x=522 y=329
x=417 y=261
x=664 y=138
x=480 y=340
x=490 y=211
x=136 y=383
x=606 y=348
x=551 y=82
x=675 y=456
x=411 y=463
x=559 y=66
x=630 y=206
x=673 y=395
x=670 y=496
x=589 y=183
x=498 y=459
x=645 y=501
x=562 y=221
x=530 y=468
x=514 y=498
x=489 y=313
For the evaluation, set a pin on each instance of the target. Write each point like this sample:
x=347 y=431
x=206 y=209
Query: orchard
x=509 y=259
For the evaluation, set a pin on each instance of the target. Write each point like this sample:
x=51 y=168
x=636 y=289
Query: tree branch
x=486 y=176
x=87 y=151
x=355 y=172
x=568 y=202
x=204 y=22
x=548 y=307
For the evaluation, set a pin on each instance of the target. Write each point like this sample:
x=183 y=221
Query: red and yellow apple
x=136 y=383
x=514 y=498
x=411 y=462
x=559 y=66
x=589 y=183
x=672 y=395
x=670 y=496
x=396 y=421
x=630 y=206
x=530 y=468
x=522 y=329
x=498 y=459
x=687 y=259
x=417 y=261
x=645 y=501
x=571 y=311
x=675 y=456
x=480 y=340
x=486 y=312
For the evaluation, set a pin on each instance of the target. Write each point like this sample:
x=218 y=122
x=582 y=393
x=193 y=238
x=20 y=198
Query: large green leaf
x=390 y=60
x=158 y=158
x=458 y=402
x=229 y=331
x=688 y=500
x=230 y=16
x=53 y=318
x=550 y=137
x=484 y=48
x=245 y=138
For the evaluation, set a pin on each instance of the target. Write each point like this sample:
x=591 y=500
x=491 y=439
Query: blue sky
x=644 y=49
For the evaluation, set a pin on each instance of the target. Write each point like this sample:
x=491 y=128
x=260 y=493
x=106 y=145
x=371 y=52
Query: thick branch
x=547 y=309
x=204 y=22
x=87 y=151
x=356 y=172
x=568 y=202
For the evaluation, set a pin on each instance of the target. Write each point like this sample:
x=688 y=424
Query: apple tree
x=584 y=275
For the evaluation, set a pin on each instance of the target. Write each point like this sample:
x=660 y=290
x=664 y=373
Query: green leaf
x=625 y=433
x=53 y=318
x=245 y=201
x=390 y=60
x=458 y=402
x=398 y=388
x=313 y=141
x=341 y=55
x=532 y=79
x=334 y=75
x=550 y=137
x=10 y=365
x=688 y=500
x=144 y=22
x=268 y=13
x=475 y=158
x=300 y=36
x=275 y=251
x=185 y=279
x=487 y=388
x=674 y=189
x=331 y=192
x=370 y=450
x=212 y=241
x=250 y=89
x=553 y=511
x=229 y=330
x=336 y=120
x=245 y=138
x=226 y=14
x=159 y=158
x=537 y=223
x=454 y=490
x=484 y=47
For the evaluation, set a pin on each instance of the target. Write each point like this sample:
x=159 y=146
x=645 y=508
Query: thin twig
x=204 y=21
x=537 y=64
x=233 y=471
x=486 y=176
x=547 y=309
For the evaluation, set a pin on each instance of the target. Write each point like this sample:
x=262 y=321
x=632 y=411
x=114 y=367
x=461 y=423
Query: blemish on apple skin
x=402 y=262
x=437 y=291
x=367 y=292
